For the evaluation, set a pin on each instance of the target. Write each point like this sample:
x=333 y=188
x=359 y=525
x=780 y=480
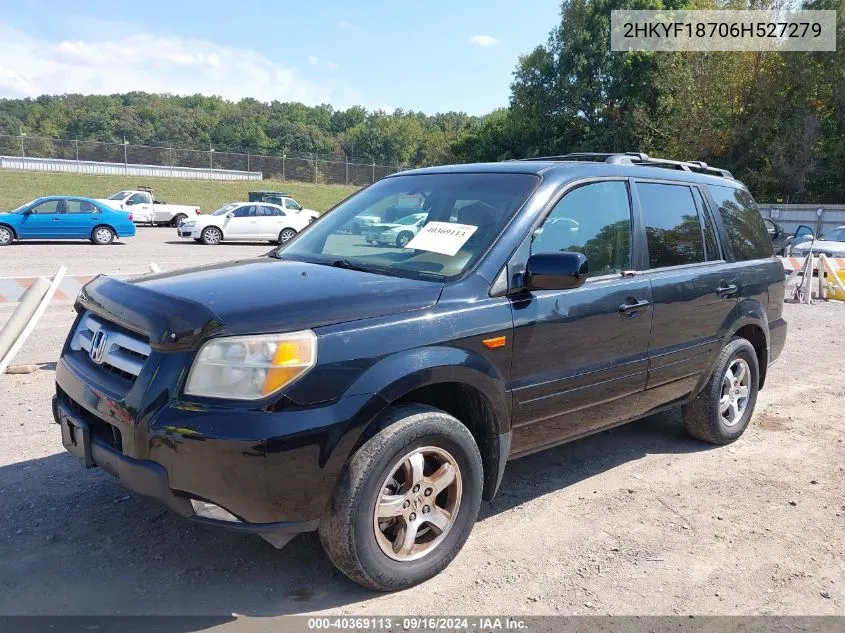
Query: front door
x=693 y=288
x=271 y=221
x=580 y=356
x=42 y=220
x=243 y=225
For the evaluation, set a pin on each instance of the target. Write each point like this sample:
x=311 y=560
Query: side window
x=594 y=219
x=292 y=204
x=743 y=223
x=247 y=211
x=79 y=206
x=270 y=211
x=50 y=206
x=711 y=246
x=138 y=198
x=672 y=226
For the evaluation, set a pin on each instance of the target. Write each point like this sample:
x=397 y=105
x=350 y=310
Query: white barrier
x=24 y=318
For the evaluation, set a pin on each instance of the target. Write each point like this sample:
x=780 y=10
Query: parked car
x=291 y=205
x=831 y=244
x=261 y=196
x=147 y=210
x=245 y=221
x=360 y=223
x=65 y=217
x=377 y=396
x=397 y=233
x=780 y=238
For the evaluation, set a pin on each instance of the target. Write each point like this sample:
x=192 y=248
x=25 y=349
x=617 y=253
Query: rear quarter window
x=744 y=227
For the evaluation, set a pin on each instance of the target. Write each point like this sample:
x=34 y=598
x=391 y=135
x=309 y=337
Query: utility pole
x=210 y=156
x=23 y=154
x=374 y=170
x=247 y=159
x=283 y=167
x=76 y=146
x=125 y=162
x=315 y=168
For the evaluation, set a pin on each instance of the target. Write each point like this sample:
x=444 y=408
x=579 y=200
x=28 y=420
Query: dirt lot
x=638 y=520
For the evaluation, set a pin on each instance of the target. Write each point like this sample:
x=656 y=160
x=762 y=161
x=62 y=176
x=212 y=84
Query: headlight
x=251 y=367
x=187 y=224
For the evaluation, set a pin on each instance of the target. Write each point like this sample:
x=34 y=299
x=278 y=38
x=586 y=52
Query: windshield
x=226 y=208
x=465 y=212
x=23 y=206
x=836 y=235
x=120 y=195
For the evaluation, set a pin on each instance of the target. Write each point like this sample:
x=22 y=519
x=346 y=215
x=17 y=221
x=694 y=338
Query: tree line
x=775 y=119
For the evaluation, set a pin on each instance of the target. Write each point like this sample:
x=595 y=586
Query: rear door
x=580 y=356
x=244 y=224
x=79 y=218
x=42 y=220
x=271 y=221
x=693 y=287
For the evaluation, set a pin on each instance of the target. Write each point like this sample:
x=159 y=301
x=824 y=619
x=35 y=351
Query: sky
x=433 y=56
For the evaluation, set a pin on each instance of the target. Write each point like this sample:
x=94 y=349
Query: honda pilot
x=375 y=393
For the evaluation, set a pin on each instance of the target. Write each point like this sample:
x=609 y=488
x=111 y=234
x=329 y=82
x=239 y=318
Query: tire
x=7 y=235
x=403 y=238
x=177 y=219
x=102 y=235
x=704 y=418
x=211 y=236
x=286 y=236
x=348 y=529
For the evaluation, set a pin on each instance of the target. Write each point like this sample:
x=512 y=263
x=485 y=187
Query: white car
x=251 y=221
x=397 y=233
x=831 y=243
x=146 y=209
x=289 y=204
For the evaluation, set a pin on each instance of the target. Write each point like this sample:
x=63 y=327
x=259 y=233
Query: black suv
x=375 y=393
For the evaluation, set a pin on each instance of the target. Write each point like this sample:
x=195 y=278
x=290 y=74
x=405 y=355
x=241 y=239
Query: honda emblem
x=98 y=346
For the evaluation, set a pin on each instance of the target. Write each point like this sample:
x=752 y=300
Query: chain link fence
x=296 y=167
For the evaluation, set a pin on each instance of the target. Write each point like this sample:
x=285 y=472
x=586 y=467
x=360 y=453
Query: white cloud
x=345 y=25
x=331 y=64
x=31 y=66
x=483 y=40
x=313 y=60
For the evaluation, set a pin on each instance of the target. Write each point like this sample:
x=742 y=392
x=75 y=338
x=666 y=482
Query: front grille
x=116 y=351
x=99 y=428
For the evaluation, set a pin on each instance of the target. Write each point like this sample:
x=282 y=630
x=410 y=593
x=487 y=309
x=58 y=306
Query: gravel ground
x=637 y=520
x=131 y=255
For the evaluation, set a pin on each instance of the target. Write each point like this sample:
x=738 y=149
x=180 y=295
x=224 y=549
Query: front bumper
x=149 y=478
x=190 y=232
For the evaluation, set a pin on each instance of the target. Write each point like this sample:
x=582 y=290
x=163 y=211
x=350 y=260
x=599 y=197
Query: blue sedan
x=65 y=217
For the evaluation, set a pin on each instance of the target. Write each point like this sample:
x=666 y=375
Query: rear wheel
x=406 y=501
x=211 y=236
x=177 y=219
x=102 y=235
x=721 y=412
x=286 y=235
x=6 y=235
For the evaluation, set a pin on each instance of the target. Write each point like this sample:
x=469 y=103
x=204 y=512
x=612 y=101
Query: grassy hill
x=17 y=187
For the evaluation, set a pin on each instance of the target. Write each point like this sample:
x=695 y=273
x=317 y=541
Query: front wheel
x=721 y=412
x=211 y=235
x=406 y=501
x=403 y=238
x=286 y=236
x=102 y=235
x=6 y=235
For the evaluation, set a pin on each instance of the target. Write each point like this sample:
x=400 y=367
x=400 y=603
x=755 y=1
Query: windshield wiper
x=345 y=263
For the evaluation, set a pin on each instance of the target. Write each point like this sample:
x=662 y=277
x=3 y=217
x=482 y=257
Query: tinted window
x=139 y=198
x=51 y=206
x=245 y=211
x=492 y=200
x=79 y=206
x=594 y=219
x=672 y=227
x=292 y=204
x=743 y=224
x=711 y=246
x=270 y=211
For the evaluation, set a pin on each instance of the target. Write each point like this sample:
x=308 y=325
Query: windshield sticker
x=442 y=237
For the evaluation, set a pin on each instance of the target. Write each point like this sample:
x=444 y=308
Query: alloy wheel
x=419 y=503
x=735 y=390
x=5 y=236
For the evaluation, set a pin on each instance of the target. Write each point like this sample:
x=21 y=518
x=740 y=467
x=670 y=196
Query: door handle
x=56 y=219
x=726 y=290
x=632 y=309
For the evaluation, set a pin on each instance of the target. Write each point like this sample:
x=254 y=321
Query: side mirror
x=555 y=271
x=129 y=203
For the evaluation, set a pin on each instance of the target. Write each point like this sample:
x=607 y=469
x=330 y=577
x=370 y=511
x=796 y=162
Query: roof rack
x=638 y=158
x=145 y=188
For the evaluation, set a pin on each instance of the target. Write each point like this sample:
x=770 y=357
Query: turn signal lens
x=251 y=367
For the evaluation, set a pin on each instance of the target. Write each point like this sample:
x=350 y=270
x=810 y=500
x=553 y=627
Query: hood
x=114 y=204
x=823 y=246
x=261 y=295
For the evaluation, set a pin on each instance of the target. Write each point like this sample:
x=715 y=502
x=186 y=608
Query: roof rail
x=638 y=158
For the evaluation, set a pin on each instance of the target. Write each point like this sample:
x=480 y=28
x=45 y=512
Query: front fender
x=399 y=374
